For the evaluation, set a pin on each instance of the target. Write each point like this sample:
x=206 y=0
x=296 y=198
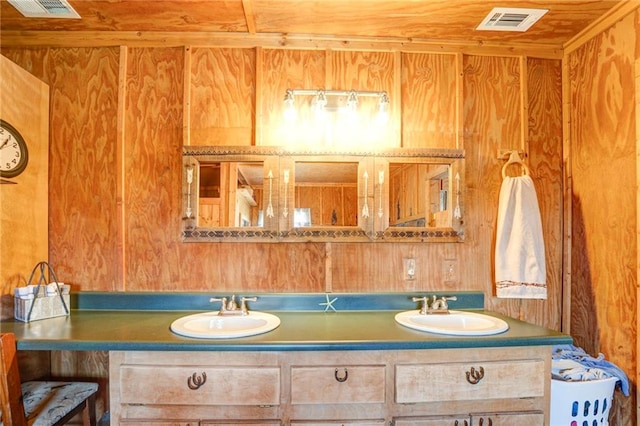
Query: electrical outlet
x=409 y=268
x=450 y=270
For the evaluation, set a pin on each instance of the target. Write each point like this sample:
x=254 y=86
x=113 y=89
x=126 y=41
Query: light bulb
x=383 y=109
x=290 y=112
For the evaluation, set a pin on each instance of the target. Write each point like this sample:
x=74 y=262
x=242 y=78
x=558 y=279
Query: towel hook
x=514 y=158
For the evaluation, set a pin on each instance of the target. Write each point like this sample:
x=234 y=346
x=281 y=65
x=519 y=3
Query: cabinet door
x=507 y=419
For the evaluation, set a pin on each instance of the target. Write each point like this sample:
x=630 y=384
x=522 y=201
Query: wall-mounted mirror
x=419 y=195
x=270 y=194
x=229 y=195
x=424 y=198
x=326 y=194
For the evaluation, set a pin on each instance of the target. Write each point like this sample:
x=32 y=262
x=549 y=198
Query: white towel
x=519 y=256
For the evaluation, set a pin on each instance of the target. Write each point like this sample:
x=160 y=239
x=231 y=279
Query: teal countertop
x=123 y=321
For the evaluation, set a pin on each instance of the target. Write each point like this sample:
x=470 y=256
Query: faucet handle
x=223 y=306
x=243 y=303
x=425 y=303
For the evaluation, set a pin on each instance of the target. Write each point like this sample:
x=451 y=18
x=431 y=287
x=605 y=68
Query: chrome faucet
x=438 y=306
x=230 y=306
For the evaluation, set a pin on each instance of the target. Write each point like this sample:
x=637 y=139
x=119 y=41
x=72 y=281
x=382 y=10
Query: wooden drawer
x=448 y=381
x=241 y=423
x=338 y=385
x=159 y=423
x=504 y=419
x=199 y=385
x=339 y=423
x=508 y=419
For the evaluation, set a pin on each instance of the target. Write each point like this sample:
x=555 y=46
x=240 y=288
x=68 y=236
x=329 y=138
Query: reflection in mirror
x=230 y=194
x=419 y=195
x=326 y=194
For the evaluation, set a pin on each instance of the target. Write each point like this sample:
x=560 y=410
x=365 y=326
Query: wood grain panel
x=310 y=197
x=428 y=100
x=222 y=96
x=367 y=71
x=379 y=268
x=441 y=21
x=491 y=120
x=152 y=167
x=350 y=205
x=250 y=267
x=604 y=199
x=82 y=160
x=82 y=219
x=24 y=198
x=171 y=15
x=544 y=86
x=282 y=70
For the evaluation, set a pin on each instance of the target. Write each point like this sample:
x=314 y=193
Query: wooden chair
x=40 y=403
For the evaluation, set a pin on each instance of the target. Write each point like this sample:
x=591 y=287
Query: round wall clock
x=14 y=155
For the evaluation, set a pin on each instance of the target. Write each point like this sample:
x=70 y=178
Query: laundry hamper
x=585 y=403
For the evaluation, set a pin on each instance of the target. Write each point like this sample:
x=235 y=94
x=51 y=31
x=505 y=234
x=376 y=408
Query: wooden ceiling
x=398 y=21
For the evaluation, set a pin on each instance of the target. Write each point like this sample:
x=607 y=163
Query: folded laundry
x=30 y=291
x=26 y=292
x=583 y=366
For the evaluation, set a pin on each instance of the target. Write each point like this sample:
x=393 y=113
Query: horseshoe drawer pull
x=474 y=376
x=194 y=382
x=343 y=378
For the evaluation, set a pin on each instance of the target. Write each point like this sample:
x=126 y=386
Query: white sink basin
x=210 y=325
x=459 y=323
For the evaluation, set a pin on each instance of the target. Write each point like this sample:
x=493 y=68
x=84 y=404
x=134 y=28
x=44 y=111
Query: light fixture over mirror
x=345 y=101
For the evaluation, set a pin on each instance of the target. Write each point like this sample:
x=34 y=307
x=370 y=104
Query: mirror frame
x=193 y=156
x=279 y=228
x=452 y=158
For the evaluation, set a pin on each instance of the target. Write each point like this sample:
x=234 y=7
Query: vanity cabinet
x=465 y=387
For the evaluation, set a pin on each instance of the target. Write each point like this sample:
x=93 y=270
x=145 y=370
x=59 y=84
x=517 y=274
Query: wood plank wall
x=115 y=185
x=84 y=229
x=603 y=173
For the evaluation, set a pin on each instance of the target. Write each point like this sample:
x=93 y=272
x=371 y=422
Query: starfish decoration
x=329 y=303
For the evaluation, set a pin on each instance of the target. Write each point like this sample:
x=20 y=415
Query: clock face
x=13 y=151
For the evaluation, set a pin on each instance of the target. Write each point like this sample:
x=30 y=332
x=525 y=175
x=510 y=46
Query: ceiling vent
x=45 y=8
x=511 y=19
